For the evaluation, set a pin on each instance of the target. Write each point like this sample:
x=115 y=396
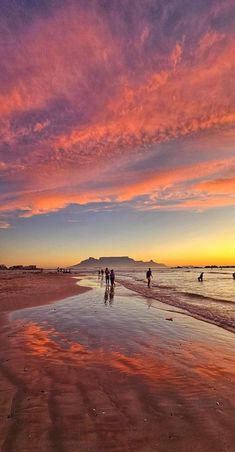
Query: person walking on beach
x=112 y=278
x=233 y=275
x=102 y=273
x=149 y=276
x=107 y=276
x=200 y=278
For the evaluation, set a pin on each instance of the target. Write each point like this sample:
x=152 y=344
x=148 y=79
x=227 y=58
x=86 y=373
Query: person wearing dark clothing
x=107 y=276
x=233 y=275
x=149 y=276
x=200 y=278
x=112 y=278
x=102 y=273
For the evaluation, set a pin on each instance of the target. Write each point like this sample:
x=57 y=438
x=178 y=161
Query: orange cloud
x=219 y=186
x=172 y=177
x=166 y=106
x=91 y=103
x=174 y=188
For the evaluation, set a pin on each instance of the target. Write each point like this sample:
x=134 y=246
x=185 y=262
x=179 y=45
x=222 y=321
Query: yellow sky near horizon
x=195 y=252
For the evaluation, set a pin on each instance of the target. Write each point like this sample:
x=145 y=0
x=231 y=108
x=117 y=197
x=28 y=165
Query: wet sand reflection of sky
x=119 y=376
x=127 y=335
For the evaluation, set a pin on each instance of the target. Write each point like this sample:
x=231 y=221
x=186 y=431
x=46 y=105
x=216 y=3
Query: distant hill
x=114 y=261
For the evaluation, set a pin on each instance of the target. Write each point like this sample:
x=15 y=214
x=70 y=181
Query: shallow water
x=212 y=299
x=131 y=379
x=120 y=320
x=217 y=284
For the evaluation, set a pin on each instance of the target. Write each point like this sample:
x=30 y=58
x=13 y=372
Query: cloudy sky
x=117 y=130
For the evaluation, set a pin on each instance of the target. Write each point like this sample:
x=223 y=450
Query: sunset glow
x=117 y=125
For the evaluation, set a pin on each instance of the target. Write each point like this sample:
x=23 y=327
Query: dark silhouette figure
x=200 y=278
x=233 y=275
x=149 y=276
x=112 y=278
x=102 y=273
x=107 y=276
x=98 y=274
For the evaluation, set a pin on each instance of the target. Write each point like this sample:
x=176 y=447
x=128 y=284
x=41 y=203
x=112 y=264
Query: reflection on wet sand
x=92 y=378
x=109 y=295
x=153 y=368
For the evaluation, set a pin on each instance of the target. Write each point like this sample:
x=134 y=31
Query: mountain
x=116 y=261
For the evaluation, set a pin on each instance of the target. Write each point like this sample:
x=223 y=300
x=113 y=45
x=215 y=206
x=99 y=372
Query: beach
x=21 y=289
x=96 y=370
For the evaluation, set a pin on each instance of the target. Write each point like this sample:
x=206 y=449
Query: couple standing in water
x=109 y=293
x=109 y=276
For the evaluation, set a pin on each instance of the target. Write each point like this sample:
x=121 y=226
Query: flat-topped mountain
x=116 y=261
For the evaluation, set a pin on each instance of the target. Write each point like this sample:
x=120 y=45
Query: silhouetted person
x=112 y=278
x=107 y=276
x=200 y=278
x=102 y=273
x=233 y=275
x=98 y=274
x=149 y=276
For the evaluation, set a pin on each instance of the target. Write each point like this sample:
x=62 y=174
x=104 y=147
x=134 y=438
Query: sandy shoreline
x=97 y=374
x=20 y=290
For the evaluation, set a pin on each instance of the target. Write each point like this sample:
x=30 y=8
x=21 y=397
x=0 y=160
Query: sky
x=117 y=131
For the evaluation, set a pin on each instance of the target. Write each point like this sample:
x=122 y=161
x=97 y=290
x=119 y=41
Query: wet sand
x=22 y=289
x=106 y=371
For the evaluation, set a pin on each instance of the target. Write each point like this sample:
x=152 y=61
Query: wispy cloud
x=89 y=89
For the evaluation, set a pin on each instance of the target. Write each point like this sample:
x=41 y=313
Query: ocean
x=213 y=299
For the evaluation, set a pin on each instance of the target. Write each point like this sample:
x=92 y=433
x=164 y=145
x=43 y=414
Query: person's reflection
x=106 y=295
x=111 y=295
x=149 y=303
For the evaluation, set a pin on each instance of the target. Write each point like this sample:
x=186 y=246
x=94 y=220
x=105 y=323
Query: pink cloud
x=79 y=102
x=219 y=186
x=174 y=188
